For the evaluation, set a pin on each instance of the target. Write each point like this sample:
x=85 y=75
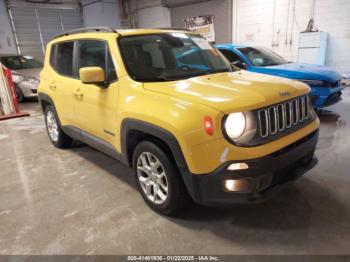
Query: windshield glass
x=262 y=56
x=170 y=56
x=21 y=62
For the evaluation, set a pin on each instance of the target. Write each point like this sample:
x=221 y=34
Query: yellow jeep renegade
x=168 y=104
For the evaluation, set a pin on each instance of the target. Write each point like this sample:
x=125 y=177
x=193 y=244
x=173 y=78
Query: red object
x=17 y=113
x=208 y=125
x=4 y=117
x=8 y=75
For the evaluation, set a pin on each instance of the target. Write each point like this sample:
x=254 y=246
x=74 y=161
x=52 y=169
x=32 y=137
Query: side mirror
x=239 y=64
x=92 y=75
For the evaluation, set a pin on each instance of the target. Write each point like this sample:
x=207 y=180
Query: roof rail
x=176 y=28
x=87 y=29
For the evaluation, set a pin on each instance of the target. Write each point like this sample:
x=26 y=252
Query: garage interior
x=80 y=201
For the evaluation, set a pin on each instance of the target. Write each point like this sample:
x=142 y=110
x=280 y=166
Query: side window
x=95 y=53
x=64 y=58
x=230 y=55
x=53 y=56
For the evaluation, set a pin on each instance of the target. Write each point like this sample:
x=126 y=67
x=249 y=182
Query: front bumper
x=323 y=96
x=28 y=89
x=265 y=176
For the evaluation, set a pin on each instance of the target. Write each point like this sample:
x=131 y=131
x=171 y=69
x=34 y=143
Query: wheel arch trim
x=44 y=97
x=130 y=124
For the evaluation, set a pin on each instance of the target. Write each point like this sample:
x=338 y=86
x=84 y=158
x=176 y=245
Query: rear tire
x=54 y=130
x=158 y=179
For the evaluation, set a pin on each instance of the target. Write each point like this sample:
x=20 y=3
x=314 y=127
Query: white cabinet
x=312 y=48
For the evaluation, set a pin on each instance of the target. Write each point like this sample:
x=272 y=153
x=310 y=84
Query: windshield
x=170 y=56
x=262 y=56
x=21 y=62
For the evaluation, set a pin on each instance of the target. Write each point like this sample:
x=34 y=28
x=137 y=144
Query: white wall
x=7 y=42
x=253 y=23
x=151 y=14
x=154 y=17
x=104 y=13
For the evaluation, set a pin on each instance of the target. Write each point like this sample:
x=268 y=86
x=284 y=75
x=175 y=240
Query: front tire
x=57 y=136
x=158 y=180
x=19 y=95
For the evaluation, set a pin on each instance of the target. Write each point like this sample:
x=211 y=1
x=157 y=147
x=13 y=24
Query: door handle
x=52 y=87
x=78 y=93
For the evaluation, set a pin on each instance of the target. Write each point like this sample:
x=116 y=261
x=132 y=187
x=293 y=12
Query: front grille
x=277 y=118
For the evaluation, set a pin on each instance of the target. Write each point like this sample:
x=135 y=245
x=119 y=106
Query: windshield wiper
x=183 y=76
x=222 y=70
x=165 y=78
x=155 y=79
x=162 y=78
x=207 y=72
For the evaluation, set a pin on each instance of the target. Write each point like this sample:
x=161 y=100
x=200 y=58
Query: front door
x=96 y=106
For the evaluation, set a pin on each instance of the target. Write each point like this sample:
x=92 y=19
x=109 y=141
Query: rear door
x=62 y=81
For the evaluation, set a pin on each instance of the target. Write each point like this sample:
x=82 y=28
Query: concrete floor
x=79 y=201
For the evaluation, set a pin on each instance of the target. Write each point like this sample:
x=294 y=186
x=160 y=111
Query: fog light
x=238 y=166
x=238 y=185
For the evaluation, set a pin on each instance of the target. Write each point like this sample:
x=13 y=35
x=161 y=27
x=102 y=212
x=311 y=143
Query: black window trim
x=75 y=58
x=53 y=53
x=54 y=67
x=107 y=51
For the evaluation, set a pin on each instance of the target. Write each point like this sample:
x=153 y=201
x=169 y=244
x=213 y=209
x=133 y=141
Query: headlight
x=30 y=80
x=235 y=125
x=17 y=78
x=239 y=127
x=316 y=83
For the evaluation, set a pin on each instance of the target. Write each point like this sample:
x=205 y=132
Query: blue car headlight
x=314 y=83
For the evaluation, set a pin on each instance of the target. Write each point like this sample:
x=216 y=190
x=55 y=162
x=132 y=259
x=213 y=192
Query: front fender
x=183 y=120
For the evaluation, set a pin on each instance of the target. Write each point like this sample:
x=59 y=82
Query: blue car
x=326 y=88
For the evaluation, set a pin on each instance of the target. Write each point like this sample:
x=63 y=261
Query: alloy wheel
x=152 y=178
x=52 y=126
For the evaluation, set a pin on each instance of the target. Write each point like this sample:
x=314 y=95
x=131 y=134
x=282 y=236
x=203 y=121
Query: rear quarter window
x=53 y=56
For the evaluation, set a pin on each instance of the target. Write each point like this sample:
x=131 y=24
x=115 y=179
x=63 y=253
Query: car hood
x=229 y=92
x=34 y=72
x=301 y=71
